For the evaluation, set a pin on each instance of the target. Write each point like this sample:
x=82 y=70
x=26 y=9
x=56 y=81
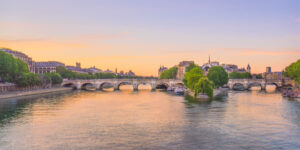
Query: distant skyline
x=143 y=35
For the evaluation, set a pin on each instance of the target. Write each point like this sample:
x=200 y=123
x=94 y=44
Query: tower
x=248 y=68
x=209 y=59
x=78 y=65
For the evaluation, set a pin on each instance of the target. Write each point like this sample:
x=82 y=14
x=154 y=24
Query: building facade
x=161 y=69
x=181 y=68
x=229 y=68
x=46 y=67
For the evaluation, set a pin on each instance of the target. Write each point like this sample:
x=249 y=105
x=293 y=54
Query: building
x=22 y=56
x=161 y=69
x=228 y=67
x=46 y=67
x=181 y=68
x=209 y=64
x=130 y=73
x=268 y=69
x=108 y=71
x=78 y=69
x=269 y=75
x=93 y=70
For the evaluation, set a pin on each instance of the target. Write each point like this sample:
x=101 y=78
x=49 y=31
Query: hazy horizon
x=142 y=36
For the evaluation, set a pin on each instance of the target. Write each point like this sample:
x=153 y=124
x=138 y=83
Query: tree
x=205 y=86
x=170 y=73
x=190 y=67
x=6 y=66
x=11 y=68
x=293 y=71
x=45 y=79
x=55 y=78
x=259 y=76
x=192 y=77
x=240 y=75
x=218 y=76
x=28 y=79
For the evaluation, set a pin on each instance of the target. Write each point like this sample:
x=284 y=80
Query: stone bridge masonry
x=116 y=83
x=248 y=83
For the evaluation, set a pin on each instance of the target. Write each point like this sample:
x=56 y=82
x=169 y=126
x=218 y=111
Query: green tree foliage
x=65 y=73
x=293 y=71
x=55 y=77
x=170 y=73
x=192 y=77
x=11 y=68
x=190 y=67
x=45 y=80
x=28 y=79
x=205 y=86
x=239 y=75
x=218 y=76
x=259 y=76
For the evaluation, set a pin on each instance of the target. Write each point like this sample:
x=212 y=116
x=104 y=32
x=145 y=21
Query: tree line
x=68 y=74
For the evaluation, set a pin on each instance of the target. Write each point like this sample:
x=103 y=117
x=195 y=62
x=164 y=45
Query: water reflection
x=128 y=119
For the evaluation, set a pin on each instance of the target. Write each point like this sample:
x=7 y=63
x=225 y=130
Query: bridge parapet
x=116 y=83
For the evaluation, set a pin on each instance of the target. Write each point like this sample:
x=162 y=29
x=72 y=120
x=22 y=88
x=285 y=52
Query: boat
x=171 y=88
x=179 y=91
x=291 y=92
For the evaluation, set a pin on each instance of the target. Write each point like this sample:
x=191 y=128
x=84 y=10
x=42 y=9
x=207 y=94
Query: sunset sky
x=142 y=35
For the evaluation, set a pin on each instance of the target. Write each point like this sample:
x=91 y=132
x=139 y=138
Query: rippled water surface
x=149 y=120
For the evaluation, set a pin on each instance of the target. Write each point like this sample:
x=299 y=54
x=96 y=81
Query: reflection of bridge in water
x=99 y=84
x=248 y=83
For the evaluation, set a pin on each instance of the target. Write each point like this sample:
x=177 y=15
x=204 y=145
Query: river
x=149 y=120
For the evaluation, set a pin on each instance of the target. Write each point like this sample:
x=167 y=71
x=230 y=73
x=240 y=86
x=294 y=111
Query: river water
x=149 y=120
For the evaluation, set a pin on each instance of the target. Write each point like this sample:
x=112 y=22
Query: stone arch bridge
x=116 y=83
x=248 y=83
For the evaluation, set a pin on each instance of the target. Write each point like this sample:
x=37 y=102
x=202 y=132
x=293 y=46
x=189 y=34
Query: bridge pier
x=153 y=87
x=135 y=87
x=116 y=87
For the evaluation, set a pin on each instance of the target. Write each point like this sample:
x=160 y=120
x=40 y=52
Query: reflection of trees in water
x=15 y=107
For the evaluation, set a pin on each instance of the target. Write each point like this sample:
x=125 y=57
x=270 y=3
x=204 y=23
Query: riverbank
x=203 y=97
x=34 y=92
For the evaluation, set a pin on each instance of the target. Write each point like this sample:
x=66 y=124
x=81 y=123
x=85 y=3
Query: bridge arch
x=179 y=84
x=236 y=86
x=272 y=83
x=105 y=84
x=151 y=85
x=162 y=85
x=124 y=83
x=253 y=84
x=84 y=85
x=72 y=85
